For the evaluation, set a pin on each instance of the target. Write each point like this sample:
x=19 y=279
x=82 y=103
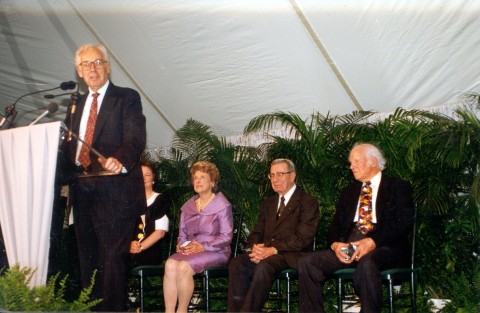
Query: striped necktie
x=281 y=208
x=84 y=156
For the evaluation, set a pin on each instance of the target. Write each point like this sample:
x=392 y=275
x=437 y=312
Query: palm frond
x=194 y=140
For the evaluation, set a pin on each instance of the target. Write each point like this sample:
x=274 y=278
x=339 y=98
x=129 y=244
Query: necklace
x=150 y=195
x=201 y=206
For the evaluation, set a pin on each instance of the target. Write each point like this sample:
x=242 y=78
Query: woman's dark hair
x=151 y=166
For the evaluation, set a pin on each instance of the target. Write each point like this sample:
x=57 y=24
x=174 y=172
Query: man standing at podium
x=110 y=195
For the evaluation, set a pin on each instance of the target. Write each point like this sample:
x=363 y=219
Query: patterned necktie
x=364 y=223
x=84 y=156
x=281 y=207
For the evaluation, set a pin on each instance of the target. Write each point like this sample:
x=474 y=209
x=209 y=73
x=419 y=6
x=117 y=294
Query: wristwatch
x=141 y=248
x=276 y=251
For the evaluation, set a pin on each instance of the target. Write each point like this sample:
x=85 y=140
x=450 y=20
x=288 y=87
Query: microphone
x=10 y=110
x=64 y=86
x=52 y=107
x=68 y=85
x=51 y=96
x=73 y=107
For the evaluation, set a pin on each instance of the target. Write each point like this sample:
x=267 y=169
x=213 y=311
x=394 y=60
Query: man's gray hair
x=291 y=166
x=87 y=46
x=372 y=150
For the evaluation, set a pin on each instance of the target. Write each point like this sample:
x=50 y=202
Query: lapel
x=270 y=215
x=106 y=108
x=289 y=207
x=272 y=211
x=77 y=116
x=382 y=193
x=354 y=197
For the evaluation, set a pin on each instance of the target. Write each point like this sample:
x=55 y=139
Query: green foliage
x=240 y=169
x=465 y=291
x=17 y=295
x=153 y=294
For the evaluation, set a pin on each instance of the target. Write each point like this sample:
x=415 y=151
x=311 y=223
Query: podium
x=28 y=158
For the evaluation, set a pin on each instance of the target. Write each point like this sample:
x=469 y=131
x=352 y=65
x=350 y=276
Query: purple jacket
x=213 y=227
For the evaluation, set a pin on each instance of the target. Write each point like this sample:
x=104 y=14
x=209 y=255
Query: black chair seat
x=395 y=274
x=220 y=272
x=288 y=276
x=398 y=273
x=208 y=292
x=148 y=270
x=214 y=272
x=346 y=273
x=143 y=272
x=392 y=276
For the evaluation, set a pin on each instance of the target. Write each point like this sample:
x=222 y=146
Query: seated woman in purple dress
x=205 y=234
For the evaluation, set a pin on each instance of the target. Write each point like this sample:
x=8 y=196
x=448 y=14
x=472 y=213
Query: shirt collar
x=289 y=193
x=375 y=180
x=101 y=91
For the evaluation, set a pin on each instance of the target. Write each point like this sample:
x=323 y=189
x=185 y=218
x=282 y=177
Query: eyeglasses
x=278 y=174
x=98 y=64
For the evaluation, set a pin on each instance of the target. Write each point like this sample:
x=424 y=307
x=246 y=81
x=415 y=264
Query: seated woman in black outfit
x=151 y=227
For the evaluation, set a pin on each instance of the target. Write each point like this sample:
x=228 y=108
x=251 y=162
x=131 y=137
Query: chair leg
x=206 y=292
x=288 y=294
x=340 y=295
x=279 y=294
x=141 y=292
x=390 y=294
x=413 y=292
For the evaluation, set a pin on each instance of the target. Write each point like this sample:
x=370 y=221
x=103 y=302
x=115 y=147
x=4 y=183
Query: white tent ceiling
x=223 y=62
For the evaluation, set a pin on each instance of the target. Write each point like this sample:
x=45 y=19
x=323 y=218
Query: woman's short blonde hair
x=209 y=168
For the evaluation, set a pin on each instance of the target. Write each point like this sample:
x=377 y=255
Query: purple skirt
x=202 y=260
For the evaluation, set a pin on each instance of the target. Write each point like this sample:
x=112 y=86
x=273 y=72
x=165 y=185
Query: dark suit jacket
x=394 y=210
x=293 y=232
x=119 y=132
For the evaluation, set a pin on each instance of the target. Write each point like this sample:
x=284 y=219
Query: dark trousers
x=315 y=268
x=104 y=245
x=3 y=252
x=56 y=232
x=249 y=284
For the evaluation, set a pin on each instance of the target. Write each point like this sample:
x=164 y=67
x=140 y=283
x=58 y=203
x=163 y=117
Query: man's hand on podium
x=111 y=164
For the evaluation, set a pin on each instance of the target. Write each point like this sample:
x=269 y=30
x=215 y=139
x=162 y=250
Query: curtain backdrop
x=28 y=157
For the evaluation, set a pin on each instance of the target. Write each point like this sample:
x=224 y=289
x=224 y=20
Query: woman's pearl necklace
x=150 y=195
x=201 y=206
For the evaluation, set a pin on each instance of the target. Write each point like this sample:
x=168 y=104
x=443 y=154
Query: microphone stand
x=73 y=107
x=10 y=110
x=72 y=133
x=51 y=96
x=95 y=151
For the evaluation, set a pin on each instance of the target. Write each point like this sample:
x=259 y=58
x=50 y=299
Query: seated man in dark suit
x=375 y=216
x=286 y=227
